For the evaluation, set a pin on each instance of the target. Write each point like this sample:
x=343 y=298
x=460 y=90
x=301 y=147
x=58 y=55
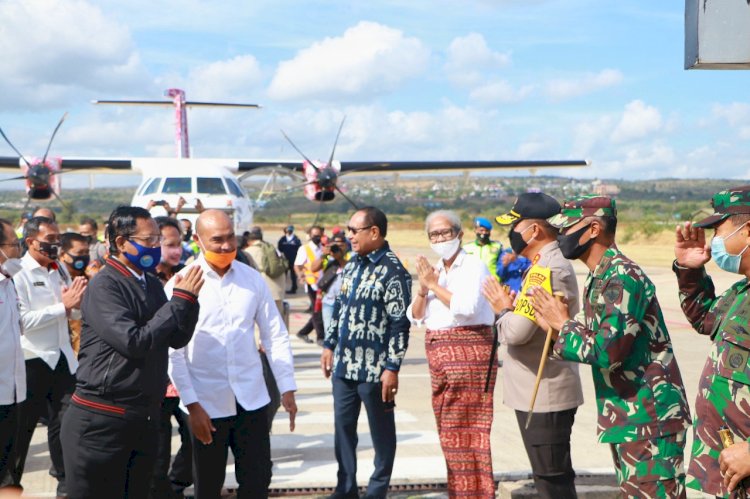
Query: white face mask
x=11 y=266
x=446 y=249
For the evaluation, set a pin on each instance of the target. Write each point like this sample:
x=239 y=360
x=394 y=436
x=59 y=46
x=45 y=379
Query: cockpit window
x=234 y=188
x=176 y=185
x=210 y=185
x=151 y=187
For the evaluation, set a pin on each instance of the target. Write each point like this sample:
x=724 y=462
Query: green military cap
x=733 y=201
x=576 y=209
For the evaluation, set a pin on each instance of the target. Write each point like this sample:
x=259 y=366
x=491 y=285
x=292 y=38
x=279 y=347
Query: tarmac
x=304 y=462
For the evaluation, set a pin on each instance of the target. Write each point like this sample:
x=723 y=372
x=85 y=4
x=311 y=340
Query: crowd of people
x=106 y=340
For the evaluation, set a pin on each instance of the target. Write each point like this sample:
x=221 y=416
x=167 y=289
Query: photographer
x=331 y=262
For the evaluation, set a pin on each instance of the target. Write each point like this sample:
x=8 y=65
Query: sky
x=416 y=79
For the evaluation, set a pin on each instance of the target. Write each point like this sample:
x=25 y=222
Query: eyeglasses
x=357 y=230
x=440 y=234
x=150 y=240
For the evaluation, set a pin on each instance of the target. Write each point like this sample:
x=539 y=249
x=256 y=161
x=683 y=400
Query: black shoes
x=304 y=338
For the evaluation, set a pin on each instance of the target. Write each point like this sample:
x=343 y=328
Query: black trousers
x=48 y=393
x=166 y=483
x=316 y=318
x=292 y=276
x=348 y=397
x=547 y=443
x=8 y=432
x=247 y=435
x=107 y=456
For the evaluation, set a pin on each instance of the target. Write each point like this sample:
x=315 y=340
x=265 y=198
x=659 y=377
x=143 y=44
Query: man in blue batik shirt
x=363 y=349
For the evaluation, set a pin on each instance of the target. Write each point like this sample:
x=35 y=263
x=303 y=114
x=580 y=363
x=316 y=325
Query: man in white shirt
x=47 y=296
x=459 y=347
x=12 y=367
x=219 y=373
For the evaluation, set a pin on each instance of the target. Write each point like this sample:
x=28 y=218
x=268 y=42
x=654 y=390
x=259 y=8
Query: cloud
x=499 y=91
x=469 y=56
x=52 y=48
x=561 y=89
x=368 y=58
x=638 y=121
x=235 y=78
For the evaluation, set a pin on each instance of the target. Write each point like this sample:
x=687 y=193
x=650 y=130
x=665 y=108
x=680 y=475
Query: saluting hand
x=192 y=281
x=290 y=406
x=690 y=247
x=496 y=295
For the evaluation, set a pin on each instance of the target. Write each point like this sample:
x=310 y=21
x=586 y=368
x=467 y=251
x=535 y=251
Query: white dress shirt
x=221 y=365
x=43 y=316
x=468 y=307
x=12 y=365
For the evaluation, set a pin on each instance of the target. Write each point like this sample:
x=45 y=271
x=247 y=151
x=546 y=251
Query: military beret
x=733 y=201
x=482 y=222
x=576 y=209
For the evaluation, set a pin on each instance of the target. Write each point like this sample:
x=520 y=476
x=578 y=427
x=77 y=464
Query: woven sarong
x=458 y=360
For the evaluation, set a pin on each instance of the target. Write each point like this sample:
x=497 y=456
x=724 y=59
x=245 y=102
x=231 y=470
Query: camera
x=160 y=203
x=335 y=248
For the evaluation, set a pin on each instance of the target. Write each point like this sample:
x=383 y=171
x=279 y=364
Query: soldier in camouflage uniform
x=643 y=411
x=724 y=389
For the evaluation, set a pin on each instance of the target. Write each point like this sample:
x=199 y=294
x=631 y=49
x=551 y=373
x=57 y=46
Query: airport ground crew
x=483 y=247
x=643 y=411
x=724 y=389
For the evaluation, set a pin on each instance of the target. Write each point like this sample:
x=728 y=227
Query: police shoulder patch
x=613 y=290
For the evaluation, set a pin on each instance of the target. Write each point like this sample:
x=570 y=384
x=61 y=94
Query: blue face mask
x=725 y=261
x=147 y=258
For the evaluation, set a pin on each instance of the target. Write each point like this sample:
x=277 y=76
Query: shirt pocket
x=733 y=354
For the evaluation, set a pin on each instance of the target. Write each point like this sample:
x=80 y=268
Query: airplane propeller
x=327 y=177
x=39 y=174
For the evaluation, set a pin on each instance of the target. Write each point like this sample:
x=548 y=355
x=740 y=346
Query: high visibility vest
x=488 y=253
x=311 y=277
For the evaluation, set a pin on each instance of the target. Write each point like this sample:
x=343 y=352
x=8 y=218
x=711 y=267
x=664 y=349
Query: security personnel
x=483 y=247
x=109 y=432
x=724 y=388
x=643 y=411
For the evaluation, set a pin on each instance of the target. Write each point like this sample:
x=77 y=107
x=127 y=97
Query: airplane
x=217 y=182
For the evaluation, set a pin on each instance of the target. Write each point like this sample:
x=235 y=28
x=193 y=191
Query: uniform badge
x=536 y=259
x=735 y=360
x=613 y=292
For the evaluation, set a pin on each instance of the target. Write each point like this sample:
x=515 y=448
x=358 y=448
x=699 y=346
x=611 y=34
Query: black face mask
x=79 y=262
x=517 y=244
x=48 y=249
x=315 y=240
x=90 y=240
x=483 y=238
x=188 y=235
x=570 y=246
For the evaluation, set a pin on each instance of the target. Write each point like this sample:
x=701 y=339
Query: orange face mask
x=220 y=260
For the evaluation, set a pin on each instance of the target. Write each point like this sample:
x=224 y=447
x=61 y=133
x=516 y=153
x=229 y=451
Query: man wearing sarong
x=459 y=343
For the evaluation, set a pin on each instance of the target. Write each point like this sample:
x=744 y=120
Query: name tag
x=39 y=283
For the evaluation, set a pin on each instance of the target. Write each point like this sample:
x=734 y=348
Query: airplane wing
x=417 y=166
x=430 y=166
x=12 y=164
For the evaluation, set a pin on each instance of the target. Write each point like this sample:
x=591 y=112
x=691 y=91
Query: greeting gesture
x=496 y=294
x=549 y=311
x=428 y=276
x=690 y=247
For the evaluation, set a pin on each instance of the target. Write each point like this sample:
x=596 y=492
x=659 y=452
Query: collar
x=375 y=256
x=121 y=267
x=456 y=263
x=201 y=260
x=606 y=260
x=30 y=263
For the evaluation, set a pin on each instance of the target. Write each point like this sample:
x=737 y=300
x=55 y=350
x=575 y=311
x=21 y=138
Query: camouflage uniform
x=620 y=332
x=724 y=388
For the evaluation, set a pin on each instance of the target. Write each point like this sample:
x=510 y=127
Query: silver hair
x=449 y=215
